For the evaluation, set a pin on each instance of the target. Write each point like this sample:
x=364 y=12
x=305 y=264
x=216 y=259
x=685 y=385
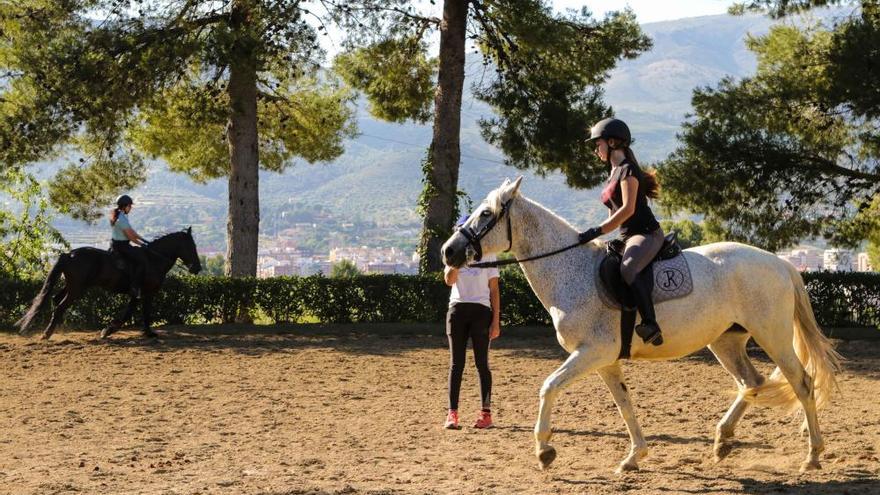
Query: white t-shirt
x=472 y=285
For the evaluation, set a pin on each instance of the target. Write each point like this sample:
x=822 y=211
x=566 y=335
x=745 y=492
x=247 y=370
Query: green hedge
x=839 y=300
x=845 y=299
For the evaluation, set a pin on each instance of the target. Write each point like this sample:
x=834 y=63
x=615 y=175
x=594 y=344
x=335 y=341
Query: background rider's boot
x=137 y=282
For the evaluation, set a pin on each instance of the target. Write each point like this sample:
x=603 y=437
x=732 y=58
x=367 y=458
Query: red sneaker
x=484 y=420
x=452 y=420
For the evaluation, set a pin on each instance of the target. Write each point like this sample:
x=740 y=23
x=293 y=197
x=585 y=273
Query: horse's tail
x=815 y=352
x=42 y=297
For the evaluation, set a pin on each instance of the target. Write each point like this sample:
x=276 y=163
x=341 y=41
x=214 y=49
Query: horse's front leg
x=147 y=303
x=613 y=378
x=583 y=360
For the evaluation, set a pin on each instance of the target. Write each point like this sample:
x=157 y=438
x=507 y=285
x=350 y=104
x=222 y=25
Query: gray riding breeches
x=640 y=250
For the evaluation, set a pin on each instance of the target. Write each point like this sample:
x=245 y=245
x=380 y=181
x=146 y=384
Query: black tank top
x=642 y=220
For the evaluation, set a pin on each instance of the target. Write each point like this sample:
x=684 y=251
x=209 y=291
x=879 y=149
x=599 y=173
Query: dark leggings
x=136 y=256
x=462 y=321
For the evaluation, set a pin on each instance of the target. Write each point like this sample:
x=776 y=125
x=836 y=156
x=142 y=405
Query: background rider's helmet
x=123 y=201
x=611 y=128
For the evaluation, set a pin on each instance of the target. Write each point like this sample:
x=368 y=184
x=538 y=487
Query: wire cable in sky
x=423 y=148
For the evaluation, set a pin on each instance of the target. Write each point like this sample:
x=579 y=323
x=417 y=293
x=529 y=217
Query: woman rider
x=122 y=235
x=626 y=195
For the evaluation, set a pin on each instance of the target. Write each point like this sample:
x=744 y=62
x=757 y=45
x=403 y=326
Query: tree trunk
x=242 y=227
x=446 y=156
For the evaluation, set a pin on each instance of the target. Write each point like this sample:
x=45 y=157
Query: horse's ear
x=514 y=187
x=189 y=230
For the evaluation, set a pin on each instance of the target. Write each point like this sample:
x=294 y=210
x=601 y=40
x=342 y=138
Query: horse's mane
x=168 y=235
x=493 y=199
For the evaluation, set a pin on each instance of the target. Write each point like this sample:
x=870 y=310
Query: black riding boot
x=137 y=280
x=641 y=288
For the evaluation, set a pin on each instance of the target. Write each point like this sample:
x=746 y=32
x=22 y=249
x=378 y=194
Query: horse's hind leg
x=613 y=378
x=581 y=361
x=57 y=298
x=780 y=349
x=730 y=349
x=58 y=313
x=790 y=366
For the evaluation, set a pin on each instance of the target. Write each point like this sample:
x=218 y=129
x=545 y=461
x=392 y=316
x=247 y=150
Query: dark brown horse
x=90 y=267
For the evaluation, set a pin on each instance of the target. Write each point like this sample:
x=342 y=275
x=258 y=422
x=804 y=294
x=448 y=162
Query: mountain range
x=378 y=179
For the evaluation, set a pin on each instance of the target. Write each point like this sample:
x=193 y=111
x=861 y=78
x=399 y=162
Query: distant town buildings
x=863 y=264
x=282 y=258
x=834 y=259
x=375 y=260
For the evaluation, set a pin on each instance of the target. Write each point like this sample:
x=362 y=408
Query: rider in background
x=626 y=195
x=475 y=312
x=122 y=235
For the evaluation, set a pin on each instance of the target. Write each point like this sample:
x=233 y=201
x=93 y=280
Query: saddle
x=671 y=275
x=119 y=261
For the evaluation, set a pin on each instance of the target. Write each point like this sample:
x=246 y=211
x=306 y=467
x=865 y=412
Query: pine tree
x=543 y=79
x=216 y=88
x=794 y=150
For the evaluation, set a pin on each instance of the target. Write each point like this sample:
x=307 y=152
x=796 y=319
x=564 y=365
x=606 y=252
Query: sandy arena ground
x=336 y=412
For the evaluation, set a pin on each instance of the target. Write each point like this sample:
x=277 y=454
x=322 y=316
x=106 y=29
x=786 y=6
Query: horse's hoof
x=106 y=332
x=722 y=449
x=810 y=466
x=626 y=467
x=150 y=334
x=546 y=457
x=45 y=336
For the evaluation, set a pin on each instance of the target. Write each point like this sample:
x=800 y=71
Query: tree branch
x=825 y=165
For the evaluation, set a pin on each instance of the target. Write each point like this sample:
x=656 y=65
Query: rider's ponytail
x=114 y=215
x=652 y=185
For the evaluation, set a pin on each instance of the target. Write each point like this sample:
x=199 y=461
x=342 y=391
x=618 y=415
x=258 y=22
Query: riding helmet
x=611 y=128
x=123 y=201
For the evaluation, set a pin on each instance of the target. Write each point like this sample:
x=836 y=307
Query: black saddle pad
x=609 y=268
x=609 y=274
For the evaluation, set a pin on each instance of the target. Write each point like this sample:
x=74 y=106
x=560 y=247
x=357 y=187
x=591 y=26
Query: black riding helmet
x=123 y=201
x=611 y=128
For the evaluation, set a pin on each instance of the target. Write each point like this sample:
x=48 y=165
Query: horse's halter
x=474 y=237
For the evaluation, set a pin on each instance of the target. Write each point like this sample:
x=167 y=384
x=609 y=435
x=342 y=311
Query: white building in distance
x=838 y=260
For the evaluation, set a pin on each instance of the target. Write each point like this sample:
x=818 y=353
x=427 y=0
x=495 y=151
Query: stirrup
x=650 y=334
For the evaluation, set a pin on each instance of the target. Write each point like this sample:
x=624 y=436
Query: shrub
x=839 y=300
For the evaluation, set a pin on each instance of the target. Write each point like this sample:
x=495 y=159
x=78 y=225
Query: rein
x=475 y=237
x=493 y=264
x=174 y=261
x=160 y=255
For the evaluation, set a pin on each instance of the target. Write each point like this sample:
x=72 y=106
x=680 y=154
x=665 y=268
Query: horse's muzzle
x=455 y=250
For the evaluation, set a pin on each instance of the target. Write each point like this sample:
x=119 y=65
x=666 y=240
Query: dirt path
x=341 y=413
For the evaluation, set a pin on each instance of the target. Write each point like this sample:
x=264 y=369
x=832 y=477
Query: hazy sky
x=652 y=10
x=646 y=11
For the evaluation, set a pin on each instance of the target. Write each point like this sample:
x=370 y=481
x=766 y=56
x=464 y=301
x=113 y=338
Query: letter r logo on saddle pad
x=672 y=280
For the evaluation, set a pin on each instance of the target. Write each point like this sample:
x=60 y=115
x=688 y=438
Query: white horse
x=739 y=292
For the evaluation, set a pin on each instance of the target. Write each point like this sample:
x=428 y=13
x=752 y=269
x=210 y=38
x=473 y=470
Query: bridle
x=174 y=261
x=474 y=238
